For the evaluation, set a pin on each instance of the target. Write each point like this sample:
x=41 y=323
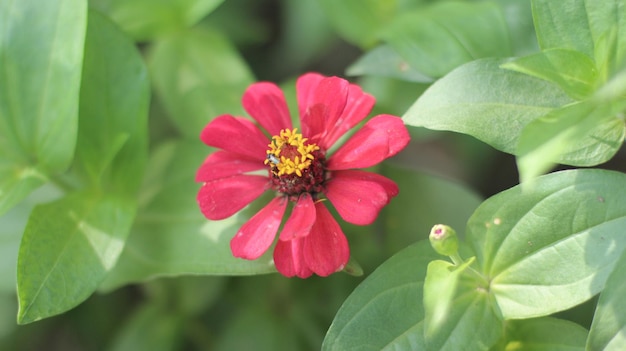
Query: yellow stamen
x=292 y=151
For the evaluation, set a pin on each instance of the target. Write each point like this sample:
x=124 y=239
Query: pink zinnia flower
x=300 y=171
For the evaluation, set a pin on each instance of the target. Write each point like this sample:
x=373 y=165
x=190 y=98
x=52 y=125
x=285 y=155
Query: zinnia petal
x=301 y=220
x=258 y=233
x=223 y=164
x=222 y=198
x=289 y=260
x=359 y=196
x=323 y=107
x=381 y=137
x=305 y=87
x=265 y=102
x=358 y=106
x=326 y=248
x=237 y=135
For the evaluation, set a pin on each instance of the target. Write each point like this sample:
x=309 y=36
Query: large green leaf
x=112 y=141
x=441 y=37
x=608 y=330
x=549 y=245
x=485 y=101
x=149 y=19
x=41 y=50
x=545 y=334
x=198 y=75
x=170 y=236
x=68 y=247
x=90 y=228
x=385 y=312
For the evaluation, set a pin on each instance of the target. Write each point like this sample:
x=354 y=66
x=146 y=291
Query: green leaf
x=608 y=330
x=542 y=334
x=436 y=39
x=41 y=50
x=198 y=75
x=170 y=236
x=68 y=247
x=485 y=101
x=385 y=312
x=582 y=134
x=385 y=62
x=563 y=25
x=112 y=142
x=148 y=19
x=549 y=245
x=572 y=71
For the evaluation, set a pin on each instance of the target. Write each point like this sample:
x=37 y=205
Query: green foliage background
x=102 y=246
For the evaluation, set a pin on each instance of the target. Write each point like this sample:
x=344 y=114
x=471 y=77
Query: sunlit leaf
x=88 y=229
x=487 y=102
x=550 y=244
x=68 y=247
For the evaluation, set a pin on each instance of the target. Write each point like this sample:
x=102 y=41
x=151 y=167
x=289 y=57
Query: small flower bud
x=443 y=240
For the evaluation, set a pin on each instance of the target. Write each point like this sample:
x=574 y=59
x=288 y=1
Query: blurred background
x=442 y=177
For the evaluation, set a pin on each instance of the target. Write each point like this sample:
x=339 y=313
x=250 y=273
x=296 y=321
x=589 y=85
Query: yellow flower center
x=290 y=153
